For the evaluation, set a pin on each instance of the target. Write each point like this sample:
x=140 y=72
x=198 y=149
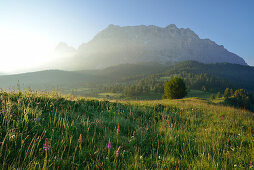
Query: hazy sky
x=30 y=30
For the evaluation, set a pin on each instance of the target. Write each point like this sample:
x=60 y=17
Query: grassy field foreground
x=47 y=131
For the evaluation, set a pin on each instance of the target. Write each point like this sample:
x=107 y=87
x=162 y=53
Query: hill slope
x=73 y=79
x=46 y=79
x=236 y=75
x=176 y=134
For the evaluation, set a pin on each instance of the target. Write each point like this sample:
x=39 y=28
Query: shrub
x=227 y=93
x=212 y=97
x=174 y=88
x=218 y=95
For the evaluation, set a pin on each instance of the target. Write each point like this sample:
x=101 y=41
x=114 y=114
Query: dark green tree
x=231 y=92
x=218 y=95
x=241 y=95
x=227 y=93
x=174 y=88
x=212 y=97
x=204 y=88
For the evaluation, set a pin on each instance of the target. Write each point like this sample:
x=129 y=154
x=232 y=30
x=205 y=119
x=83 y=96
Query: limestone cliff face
x=134 y=44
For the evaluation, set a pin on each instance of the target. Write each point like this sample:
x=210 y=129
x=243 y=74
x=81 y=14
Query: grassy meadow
x=50 y=131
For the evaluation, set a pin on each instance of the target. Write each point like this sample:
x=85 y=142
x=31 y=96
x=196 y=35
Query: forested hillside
x=198 y=76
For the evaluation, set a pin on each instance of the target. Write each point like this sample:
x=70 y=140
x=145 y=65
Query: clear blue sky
x=227 y=22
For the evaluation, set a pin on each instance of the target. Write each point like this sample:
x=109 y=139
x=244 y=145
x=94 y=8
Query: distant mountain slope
x=46 y=79
x=226 y=71
x=236 y=75
x=134 y=44
x=126 y=70
x=231 y=75
x=57 y=78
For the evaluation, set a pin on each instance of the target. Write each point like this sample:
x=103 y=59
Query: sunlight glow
x=21 y=50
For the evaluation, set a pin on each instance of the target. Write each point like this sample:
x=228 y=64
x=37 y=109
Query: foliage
x=218 y=95
x=175 y=89
x=227 y=93
x=212 y=97
x=231 y=92
x=241 y=99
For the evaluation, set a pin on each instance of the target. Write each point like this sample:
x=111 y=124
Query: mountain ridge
x=116 y=45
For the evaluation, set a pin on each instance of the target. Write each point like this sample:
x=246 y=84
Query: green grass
x=199 y=94
x=110 y=95
x=218 y=100
x=148 y=96
x=155 y=96
x=169 y=134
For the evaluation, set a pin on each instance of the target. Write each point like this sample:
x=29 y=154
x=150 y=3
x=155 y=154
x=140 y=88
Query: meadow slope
x=162 y=134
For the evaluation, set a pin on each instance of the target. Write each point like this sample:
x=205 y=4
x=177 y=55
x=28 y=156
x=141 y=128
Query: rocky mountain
x=135 y=44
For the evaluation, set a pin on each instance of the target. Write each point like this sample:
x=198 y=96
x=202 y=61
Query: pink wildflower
x=109 y=144
x=118 y=150
x=46 y=145
x=118 y=128
x=133 y=134
x=80 y=139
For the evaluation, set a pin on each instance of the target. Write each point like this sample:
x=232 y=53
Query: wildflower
x=141 y=157
x=80 y=139
x=109 y=144
x=117 y=131
x=118 y=128
x=251 y=164
x=118 y=150
x=46 y=145
x=133 y=134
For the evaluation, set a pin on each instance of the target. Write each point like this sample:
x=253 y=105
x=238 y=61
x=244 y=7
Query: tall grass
x=152 y=135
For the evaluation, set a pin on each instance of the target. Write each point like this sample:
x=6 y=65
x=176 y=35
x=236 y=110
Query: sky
x=31 y=29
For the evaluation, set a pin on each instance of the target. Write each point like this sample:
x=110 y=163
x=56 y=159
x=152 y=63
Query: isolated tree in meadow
x=227 y=93
x=175 y=88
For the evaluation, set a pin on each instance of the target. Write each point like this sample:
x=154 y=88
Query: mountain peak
x=171 y=26
x=63 y=49
x=62 y=46
x=113 y=26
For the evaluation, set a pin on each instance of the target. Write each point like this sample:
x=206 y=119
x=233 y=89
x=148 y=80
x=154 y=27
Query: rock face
x=134 y=44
